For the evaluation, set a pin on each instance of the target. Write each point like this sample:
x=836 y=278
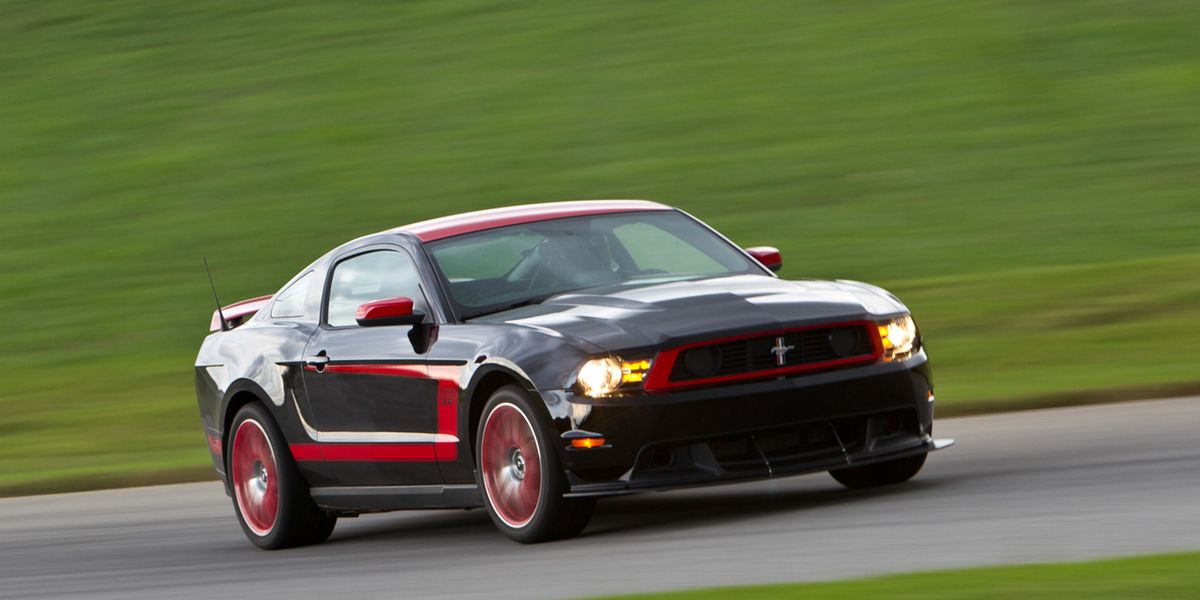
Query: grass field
x=1022 y=173
x=1165 y=577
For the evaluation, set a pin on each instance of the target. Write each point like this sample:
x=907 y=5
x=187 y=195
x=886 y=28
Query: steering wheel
x=550 y=258
x=533 y=265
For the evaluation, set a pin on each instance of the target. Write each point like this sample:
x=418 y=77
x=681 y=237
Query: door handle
x=319 y=361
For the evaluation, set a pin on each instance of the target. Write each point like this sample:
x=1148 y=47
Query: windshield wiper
x=518 y=304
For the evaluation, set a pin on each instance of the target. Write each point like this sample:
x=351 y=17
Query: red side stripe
x=305 y=452
x=379 y=452
x=447 y=415
x=369 y=369
x=446 y=451
x=447 y=420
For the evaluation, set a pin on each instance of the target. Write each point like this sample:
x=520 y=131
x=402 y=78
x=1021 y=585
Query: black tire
x=882 y=473
x=516 y=464
x=270 y=497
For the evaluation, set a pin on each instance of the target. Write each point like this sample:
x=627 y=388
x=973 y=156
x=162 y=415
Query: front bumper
x=755 y=430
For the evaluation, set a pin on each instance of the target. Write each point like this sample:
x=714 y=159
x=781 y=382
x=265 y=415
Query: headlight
x=603 y=376
x=599 y=376
x=899 y=337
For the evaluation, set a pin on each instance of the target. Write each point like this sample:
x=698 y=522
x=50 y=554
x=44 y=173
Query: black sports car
x=532 y=359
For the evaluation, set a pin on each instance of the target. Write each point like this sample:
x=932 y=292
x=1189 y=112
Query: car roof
x=444 y=227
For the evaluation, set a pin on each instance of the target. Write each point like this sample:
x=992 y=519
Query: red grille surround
x=659 y=378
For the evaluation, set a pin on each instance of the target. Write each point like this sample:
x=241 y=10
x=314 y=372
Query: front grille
x=747 y=356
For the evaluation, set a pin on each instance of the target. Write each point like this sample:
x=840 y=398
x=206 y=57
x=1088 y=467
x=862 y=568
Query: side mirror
x=390 y=311
x=768 y=256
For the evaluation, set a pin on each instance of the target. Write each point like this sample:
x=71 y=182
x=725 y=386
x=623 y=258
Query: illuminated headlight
x=899 y=337
x=603 y=376
x=599 y=376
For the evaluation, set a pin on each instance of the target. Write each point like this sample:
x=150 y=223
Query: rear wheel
x=269 y=496
x=520 y=475
x=881 y=473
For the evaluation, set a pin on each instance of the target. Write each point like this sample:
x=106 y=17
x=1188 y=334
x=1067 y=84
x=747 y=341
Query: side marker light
x=587 y=442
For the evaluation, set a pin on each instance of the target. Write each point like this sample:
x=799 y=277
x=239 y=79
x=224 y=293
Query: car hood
x=658 y=315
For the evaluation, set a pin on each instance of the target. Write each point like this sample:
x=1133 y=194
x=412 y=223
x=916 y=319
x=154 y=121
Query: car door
x=373 y=407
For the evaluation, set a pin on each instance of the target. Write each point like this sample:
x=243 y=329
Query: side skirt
x=396 y=497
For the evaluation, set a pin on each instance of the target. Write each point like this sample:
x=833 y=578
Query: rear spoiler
x=237 y=313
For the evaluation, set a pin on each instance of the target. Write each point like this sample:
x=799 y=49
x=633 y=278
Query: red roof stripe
x=444 y=227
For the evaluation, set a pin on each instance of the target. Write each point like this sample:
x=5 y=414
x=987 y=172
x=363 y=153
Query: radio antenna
x=221 y=315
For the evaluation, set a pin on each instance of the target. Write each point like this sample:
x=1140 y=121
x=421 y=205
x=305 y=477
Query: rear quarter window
x=290 y=303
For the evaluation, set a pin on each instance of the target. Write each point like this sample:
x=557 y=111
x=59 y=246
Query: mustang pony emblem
x=780 y=351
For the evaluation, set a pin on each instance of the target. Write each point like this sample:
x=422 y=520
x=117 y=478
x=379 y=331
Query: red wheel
x=270 y=497
x=520 y=474
x=512 y=467
x=255 y=477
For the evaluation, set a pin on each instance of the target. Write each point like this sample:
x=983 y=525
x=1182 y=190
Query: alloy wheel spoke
x=255 y=476
x=511 y=465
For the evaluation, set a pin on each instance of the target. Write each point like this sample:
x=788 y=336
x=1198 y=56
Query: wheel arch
x=486 y=381
x=239 y=394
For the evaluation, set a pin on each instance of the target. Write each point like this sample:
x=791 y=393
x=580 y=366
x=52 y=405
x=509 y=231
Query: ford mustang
x=532 y=359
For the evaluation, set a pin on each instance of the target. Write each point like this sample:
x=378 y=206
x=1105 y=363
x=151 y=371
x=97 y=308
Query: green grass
x=1164 y=577
x=1022 y=173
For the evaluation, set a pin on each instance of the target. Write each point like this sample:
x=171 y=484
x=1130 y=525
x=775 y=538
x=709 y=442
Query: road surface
x=1047 y=485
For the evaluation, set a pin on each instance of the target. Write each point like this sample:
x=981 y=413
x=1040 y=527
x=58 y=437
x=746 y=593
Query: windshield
x=494 y=270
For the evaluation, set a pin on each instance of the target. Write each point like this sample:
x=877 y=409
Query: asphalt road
x=1046 y=485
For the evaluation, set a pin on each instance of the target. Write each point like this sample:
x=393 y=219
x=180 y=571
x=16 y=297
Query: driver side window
x=376 y=275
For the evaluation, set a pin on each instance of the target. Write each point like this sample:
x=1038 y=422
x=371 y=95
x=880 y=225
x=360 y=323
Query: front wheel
x=269 y=496
x=881 y=473
x=520 y=475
